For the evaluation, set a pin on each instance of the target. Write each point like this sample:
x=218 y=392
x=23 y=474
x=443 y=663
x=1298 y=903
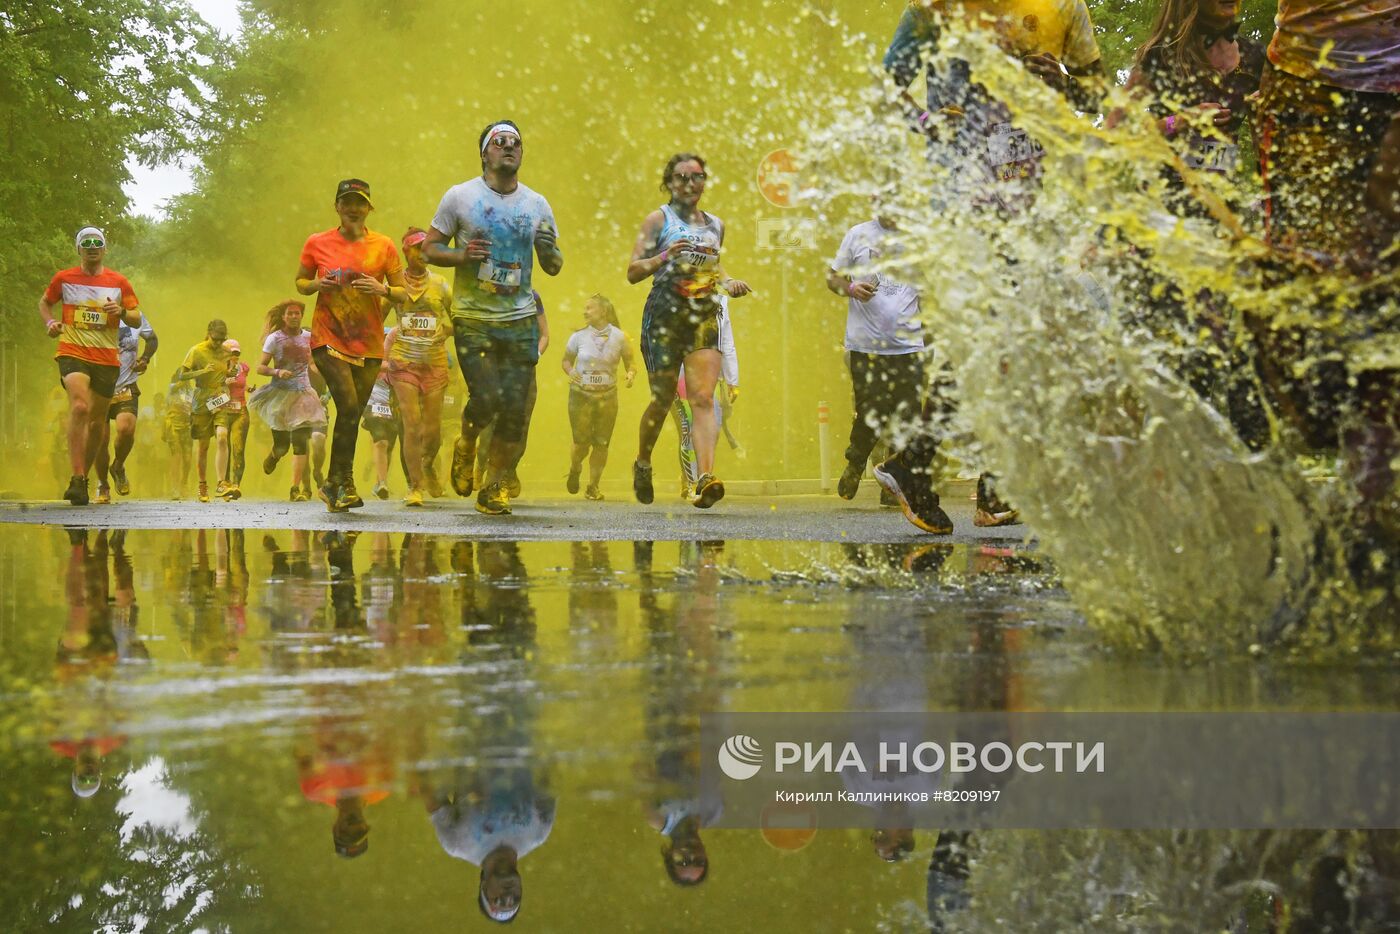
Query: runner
x=288 y=405
x=237 y=382
x=350 y=269
x=381 y=420
x=416 y=351
x=885 y=349
x=207 y=367
x=1202 y=75
x=590 y=361
x=727 y=392
x=993 y=165
x=1330 y=156
x=498 y=225
x=125 y=405
x=95 y=300
x=679 y=249
x=176 y=432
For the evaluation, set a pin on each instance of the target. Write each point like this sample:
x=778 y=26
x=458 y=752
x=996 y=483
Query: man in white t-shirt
x=885 y=350
x=499 y=227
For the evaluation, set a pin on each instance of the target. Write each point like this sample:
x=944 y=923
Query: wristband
x=1170 y=125
x=850 y=289
x=923 y=119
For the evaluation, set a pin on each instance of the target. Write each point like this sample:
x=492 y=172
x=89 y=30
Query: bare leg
x=663 y=391
x=432 y=424
x=80 y=406
x=411 y=412
x=701 y=376
x=381 y=462
x=100 y=463
x=126 y=439
x=220 y=453
x=596 y=462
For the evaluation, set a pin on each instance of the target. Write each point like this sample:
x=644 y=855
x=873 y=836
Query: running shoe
x=203 y=492
x=413 y=498
x=463 y=463
x=571 y=484
x=232 y=492
x=270 y=463
x=920 y=504
x=330 y=495
x=641 y=483
x=431 y=481
x=593 y=493
x=104 y=495
x=708 y=491
x=991 y=511
x=296 y=495
x=122 y=484
x=849 y=483
x=512 y=484
x=221 y=488
x=381 y=491
x=349 y=497
x=493 y=500
x=77 y=490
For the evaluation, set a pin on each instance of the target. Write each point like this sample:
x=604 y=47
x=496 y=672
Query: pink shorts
x=424 y=377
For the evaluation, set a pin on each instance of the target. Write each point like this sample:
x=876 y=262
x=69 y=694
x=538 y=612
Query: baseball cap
x=232 y=346
x=353 y=186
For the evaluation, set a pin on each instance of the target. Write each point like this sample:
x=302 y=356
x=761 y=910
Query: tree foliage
x=84 y=88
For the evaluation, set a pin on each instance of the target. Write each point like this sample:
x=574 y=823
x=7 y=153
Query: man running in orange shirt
x=95 y=301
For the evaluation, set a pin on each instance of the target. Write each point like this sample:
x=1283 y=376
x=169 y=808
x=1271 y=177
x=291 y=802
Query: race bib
x=1212 y=155
x=123 y=395
x=1011 y=152
x=597 y=380
x=381 y=410
x=499 y=278
x=89 y=319
x=218 y=402
x=421 y=325
x=234 y=406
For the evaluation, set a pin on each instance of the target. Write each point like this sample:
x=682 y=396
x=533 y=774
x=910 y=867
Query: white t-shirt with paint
x=888 y=323
x=596 y=355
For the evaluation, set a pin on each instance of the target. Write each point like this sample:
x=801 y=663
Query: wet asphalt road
x=738 y=518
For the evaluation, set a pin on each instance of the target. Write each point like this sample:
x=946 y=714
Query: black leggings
x=350 y=387
x=298 y=439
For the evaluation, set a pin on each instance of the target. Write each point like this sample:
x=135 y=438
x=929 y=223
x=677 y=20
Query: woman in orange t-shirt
x=351 y=270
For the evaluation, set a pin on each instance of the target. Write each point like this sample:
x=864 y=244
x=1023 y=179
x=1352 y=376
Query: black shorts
x=674 y=327
x=101 y=377
x=129 y=403
x=379 y=428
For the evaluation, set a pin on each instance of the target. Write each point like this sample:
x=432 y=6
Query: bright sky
x=149 y=188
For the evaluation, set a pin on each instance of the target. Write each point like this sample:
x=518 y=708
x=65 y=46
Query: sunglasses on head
x=91 y=243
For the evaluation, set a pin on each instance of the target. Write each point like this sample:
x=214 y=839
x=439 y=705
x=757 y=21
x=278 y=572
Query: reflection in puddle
x=204 y=729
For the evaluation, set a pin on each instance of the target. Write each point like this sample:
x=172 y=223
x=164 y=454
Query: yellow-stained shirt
x=425 y=325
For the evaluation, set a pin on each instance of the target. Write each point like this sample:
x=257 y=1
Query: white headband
x=85 y=233
x=499 y=128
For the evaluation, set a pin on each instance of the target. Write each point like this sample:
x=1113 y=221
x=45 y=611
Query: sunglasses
x=683 y=178
x=505 y=141
x=92 y=243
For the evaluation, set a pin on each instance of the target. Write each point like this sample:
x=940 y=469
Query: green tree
x=84 y=88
